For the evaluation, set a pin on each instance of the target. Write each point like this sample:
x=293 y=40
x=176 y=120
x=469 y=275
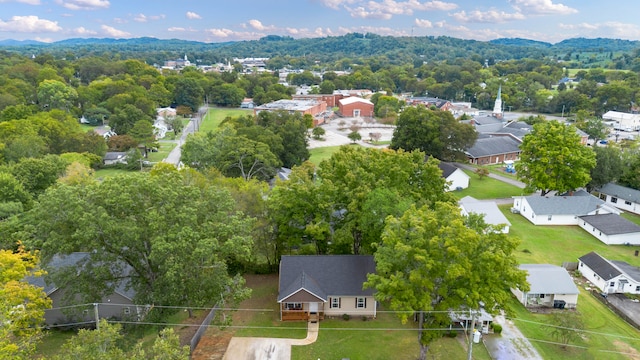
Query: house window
x=614 y=200
x=581 y=264
x=361 y=303
x=293 y=306
x=126 y=310
x=637 y=288
x=627 y=202
x=612 y=284
x=603 y=197
x=549 y=217
x=541 y=296
x=335 y=303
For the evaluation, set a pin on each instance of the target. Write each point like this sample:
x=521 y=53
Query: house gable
x=600 y=266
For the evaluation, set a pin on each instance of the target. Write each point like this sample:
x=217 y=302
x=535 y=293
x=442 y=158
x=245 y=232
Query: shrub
x=451 y=334
x=346 y=317
x=497 y=328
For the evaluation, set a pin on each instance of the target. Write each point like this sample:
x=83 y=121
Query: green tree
x=292 y=129
x=96 y=115
x=54 y=94
x=22 y=305
x=434 y=132
x=227 y=95
x=180 y=238
x=566 y=327
x=318 y=132
x=431 y=261
x=553 y=158
x=188 y=92
x=36 y=175
x=594 y=127
x=125 y=118
x=354 y=136
x=143 y=133
x=608 y=167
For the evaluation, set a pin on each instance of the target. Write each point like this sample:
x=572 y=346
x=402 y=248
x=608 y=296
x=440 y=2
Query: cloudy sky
x=229 y=20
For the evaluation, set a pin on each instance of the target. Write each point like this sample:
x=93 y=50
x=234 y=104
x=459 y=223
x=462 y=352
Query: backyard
x=215 y=115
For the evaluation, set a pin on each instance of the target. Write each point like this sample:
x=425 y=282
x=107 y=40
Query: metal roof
x=549 y=279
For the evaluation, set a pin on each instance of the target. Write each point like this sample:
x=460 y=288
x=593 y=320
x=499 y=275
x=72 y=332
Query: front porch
x=312 y=312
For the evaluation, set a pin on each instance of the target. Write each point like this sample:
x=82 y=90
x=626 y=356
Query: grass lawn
x=215 y=115
x=52 y=342
x=322 y=153
x=558 y=244
x=382 y=338
x=631 y=217
x=613 y=332
x=103 y=173
x=164 y=149
x=487 y=188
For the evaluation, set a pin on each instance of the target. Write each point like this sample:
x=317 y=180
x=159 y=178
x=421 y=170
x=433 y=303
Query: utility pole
x=95 y=313
x=472 y=331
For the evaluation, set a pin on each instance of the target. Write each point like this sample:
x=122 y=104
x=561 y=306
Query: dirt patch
x=215 y=341
x=627 y=349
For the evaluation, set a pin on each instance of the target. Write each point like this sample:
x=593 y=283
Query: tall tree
x=178 y=236
x=54 y=94
x=188 y=92
x=22 y=305
x=608 y=166
x=436 y=133
x=432 y=261
x=553 y=158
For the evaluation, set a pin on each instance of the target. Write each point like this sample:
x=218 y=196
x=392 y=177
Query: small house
x=354 y=106
x=623 y=198
x=115 y=157
x=313 y=287
x=455 y=177
x=549 y=286
x=611 y=229
x=609 y=276
x=488 y=209
x=559 y=210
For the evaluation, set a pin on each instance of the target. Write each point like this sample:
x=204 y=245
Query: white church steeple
x=497 y=108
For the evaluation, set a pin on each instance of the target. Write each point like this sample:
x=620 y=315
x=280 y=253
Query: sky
x=233 y=20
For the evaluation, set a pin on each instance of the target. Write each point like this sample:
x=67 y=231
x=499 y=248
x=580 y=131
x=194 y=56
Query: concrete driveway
x=511 y=344
x=252 y=348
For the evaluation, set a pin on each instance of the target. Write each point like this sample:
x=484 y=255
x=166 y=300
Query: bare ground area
x=628 y=350
x=215 y=341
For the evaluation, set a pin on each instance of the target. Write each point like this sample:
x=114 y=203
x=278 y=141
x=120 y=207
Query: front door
x=313 y=308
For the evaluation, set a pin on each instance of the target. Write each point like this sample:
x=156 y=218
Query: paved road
x=504 y=179
x=175 y=154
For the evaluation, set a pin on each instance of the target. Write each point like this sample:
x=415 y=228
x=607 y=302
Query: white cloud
x=29 y=24
x=335 y=4
x=180 y=29
x=30 y=2
x=82 y=31
x=386 y=9
x=542 y=7
x=611 y=29
x=193 y=16
x=84 y=4
x=423 y=23
x=491 y=16
x=257 y=24
x=145 y=18
x=113 y=32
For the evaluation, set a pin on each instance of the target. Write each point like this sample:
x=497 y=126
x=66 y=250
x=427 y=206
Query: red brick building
x=355 y=107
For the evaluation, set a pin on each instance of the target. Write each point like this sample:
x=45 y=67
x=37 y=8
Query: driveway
x=252 y=348
x=511 y=344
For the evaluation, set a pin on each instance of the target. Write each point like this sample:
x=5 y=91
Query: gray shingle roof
x=629 y=270
x=563 y=205
x=447 y=169
x=59 y=262
x=611 y=224
x=621 y=192
x=549 y=279
x=493 y=146
x=600 y=265
x=325 y=275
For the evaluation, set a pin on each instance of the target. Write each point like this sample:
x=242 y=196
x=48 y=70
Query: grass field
x=215 y=115
x=164 y=149
x=487 y=188
x=322 y=153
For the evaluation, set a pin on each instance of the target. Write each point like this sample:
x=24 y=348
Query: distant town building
x=497 y=107
x=315 y=108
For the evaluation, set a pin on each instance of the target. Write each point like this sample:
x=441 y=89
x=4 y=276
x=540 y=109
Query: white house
x=550 y=286
x=611 y=229
x=559 y=210
x=456 y=178
x=115 y=157
x=623 y=121
x=609 y=276
x=621 y=197
x=489 y=209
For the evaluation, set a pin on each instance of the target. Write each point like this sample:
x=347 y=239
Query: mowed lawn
x=215 y=115
x=487 y=188
x=323 y=153
x=383 y=338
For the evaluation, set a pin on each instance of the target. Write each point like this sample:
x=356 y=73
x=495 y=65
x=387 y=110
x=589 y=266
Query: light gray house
x=609 y=276
x=115 y=157
x=455 y=177
x=621 y=197
x=559 y=210
x=117 y=305
x=550 y=286
x=611 y=229
x=489 y=209
x=314 y=286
